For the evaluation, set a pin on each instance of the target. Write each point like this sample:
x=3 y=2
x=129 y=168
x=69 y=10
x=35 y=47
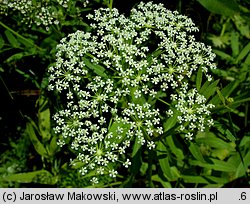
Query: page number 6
x=243 y=196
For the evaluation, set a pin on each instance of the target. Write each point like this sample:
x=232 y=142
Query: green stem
x=150 y=165
x=231 y=104
x=163 y=101
x=246 y=114
x=12 y=98
x=171 y=131
x=6 y=49
x=237 y=143
x=224 y=28
x=20 y=36
x=110 y=4
x=112 y=184
x=57 y=30
x=7 y=89
x=179 y=6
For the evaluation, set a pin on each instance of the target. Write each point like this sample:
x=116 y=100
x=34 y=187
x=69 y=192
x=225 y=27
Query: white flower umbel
x=41 y=13
x=193 y=113
x=112 y=76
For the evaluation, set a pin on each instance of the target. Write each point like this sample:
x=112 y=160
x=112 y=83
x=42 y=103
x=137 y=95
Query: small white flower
x=189 y=136
x=151 y=145
x=94 y=180
x=113 y=173
x=127 y=163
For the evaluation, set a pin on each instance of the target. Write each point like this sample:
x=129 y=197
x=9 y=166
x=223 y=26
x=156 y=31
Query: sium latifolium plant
x=128 y=82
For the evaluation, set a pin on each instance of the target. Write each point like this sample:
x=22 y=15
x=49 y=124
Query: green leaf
x=210 y=89
x=234 y=160
x=140 y=100
x=220 y=153
x=53 y=147
x=136 y=148
x=218 y=180
x=40 y=176
x=118 y=137
x=175 y=150
x=222 y=7
x=77 y=164
x=235 y=43
x=242 y=24
x=204 y=87
x=195 y=151
x=98 y=69
x=215 y=142
x=154 y=54
x=165 y=184
x=222 y=166
x=35 y=141
x=20 y=55
x=217 y=165
x=221 y=97
x=225 y=92
x=243 y=167
x=213 y=186
x=244 y=52
x=220 y=41
x=15 y=57
x=136 y=160
x=49 y=42
x=199 y=78
x=28 y=43
x=245 y=70
x=245 y=141
x=90 y=174
x=74 y=23
x=164 y=161
x=1 y=42
x=44 y=119
x=223 y=55
x=230 y=136
x=195 y=179
x=144 y=168
x=11 y=38
x=170 y=122
x=175 y=172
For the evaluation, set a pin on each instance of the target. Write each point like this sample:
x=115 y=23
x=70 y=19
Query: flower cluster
x=112 y=77
x=41 y=13
x=191 y=110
